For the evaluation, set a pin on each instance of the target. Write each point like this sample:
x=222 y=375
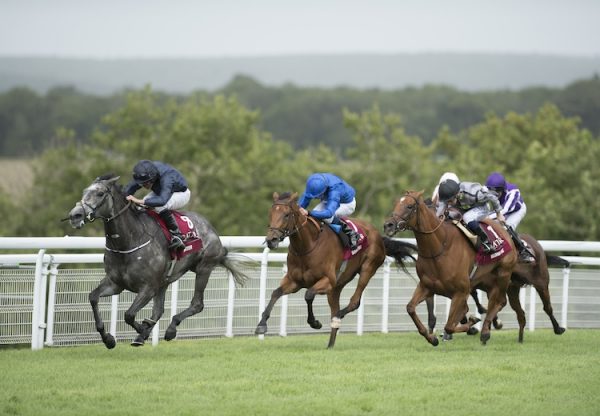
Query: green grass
x=377 y=374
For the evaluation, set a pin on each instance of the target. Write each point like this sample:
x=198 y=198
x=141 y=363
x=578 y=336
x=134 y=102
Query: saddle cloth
x=363 y=241
x=501 y=246
x=191 y=238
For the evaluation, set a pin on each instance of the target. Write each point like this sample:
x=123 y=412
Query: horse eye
x=100 y=194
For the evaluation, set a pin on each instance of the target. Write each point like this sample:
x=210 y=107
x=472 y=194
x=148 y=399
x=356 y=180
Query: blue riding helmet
x=448 y=190
x=144 y=171
x=496 y=182
x=315 y=185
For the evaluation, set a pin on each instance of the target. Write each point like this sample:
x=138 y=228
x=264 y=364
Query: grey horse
x=137 y=259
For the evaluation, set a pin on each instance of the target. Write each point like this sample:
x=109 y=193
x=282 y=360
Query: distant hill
x=470 y=72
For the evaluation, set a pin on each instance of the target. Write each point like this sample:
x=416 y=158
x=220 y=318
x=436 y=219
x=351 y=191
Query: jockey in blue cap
x=337 y=199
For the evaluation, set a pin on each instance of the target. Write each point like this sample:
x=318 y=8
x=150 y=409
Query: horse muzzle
x=77 y=217
x=391 y=227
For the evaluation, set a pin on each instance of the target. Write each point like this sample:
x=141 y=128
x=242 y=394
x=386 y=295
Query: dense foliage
x=233 y=165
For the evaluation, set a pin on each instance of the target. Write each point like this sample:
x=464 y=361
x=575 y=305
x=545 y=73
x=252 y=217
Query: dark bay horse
x=137 y=258
x=445 y=263
x=534 y=274
x=315 y=261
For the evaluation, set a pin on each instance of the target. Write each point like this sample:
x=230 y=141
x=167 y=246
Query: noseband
x=287 y=230
x=414 y=210
x=91 y=216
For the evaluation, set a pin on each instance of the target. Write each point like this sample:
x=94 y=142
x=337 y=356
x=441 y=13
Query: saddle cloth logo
x=191 y=238
x=363 y=242
x=501 y=246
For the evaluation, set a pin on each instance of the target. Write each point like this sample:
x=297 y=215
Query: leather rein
x=294 y=228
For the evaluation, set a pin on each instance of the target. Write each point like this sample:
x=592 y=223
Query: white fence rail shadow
x=44 y=300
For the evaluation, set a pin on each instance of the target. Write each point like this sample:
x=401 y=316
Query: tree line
x=233 y=164
x=302 y=117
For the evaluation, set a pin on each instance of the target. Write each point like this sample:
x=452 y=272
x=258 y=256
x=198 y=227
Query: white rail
x=47 y=265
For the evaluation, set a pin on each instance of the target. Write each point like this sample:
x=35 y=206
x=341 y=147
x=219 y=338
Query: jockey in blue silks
x=337 y=199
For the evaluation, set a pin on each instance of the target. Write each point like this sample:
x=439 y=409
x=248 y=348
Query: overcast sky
x=228 y=28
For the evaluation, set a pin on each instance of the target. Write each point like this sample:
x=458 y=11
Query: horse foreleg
x=458 y=310
x=105 y=288
x=515 y=304
x=196 y=304
x=333 y=297
x=544 y=294
x=141 y=300
x=309 y=297
x=158 y=308
x=419 y=295
x=431 y=318
x=287 y=286
x=496 y=301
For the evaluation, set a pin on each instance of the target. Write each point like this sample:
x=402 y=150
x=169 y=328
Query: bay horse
x=445 y=265
x=315 y=261
x=534 y=274
x=137 y=258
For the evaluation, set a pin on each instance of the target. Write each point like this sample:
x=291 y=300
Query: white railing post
x=262 y=287
x=230 y=305
x=174 y=298
x=565 y=296
x=114 y=310
x=51 y=304
x=385 y=297
x=532 y=302
x=284 y=309
x=360 y=318
x=155 y=333
x=37 y=330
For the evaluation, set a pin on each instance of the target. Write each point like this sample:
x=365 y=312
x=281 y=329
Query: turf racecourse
x=376 y=374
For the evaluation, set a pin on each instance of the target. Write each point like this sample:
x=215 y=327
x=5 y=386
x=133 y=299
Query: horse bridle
x=289 y=231
x=91 y=216
x=414 y=210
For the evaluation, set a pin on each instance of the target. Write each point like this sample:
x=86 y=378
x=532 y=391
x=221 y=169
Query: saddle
x=191 y=238
x=501 y=246
x=362 y=243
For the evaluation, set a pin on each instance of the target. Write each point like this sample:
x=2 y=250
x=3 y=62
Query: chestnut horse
x=316 y=262
x=446 y=261
x=534 y=274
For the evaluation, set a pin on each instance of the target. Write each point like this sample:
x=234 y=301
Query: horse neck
x=306 y=235
x=429 y=233
x=125 y=230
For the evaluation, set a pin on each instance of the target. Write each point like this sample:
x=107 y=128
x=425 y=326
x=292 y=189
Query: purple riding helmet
x=496 y=182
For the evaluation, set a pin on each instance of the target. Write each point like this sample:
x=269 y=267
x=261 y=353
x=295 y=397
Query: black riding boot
x=176 y=237
x=525 y=255
x=475 y=226
x=348 y=236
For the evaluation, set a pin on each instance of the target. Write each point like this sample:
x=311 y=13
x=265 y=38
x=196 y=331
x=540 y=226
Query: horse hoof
x=559 y=331
x=316 y=325
x=260 y=330
x=473 y=319
x=472 y=331
x=498 y=324
x=447 y=336
x=434 y=341
x=484 y=338
x=110 y=342
x=170 y=335
x=138 y=342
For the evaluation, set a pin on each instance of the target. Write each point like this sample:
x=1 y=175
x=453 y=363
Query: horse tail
x=557 y=261
x=234 y=263
x=400 y=251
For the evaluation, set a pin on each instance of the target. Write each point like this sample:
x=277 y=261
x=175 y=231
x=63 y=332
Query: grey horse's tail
x=234 y=262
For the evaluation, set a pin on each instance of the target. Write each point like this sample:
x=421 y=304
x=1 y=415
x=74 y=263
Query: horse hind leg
x=544 y=294
x=515 y=304
x=105 y=288
x=196 y=304
x=141 y=300
x=333 y=298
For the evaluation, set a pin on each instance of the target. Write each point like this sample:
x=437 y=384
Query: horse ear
x=421 y=192
x=112 y=180
x=294 y=196
x=275 y=196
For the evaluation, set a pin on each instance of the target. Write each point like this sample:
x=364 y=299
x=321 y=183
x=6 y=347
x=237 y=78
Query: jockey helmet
x=144 y=171
x=496 y=182
x=448 y=190
x=315 y=185
x=449 y=175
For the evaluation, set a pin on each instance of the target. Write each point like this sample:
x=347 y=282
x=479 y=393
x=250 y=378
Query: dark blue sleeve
x=163 y=195
x=131 y=188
